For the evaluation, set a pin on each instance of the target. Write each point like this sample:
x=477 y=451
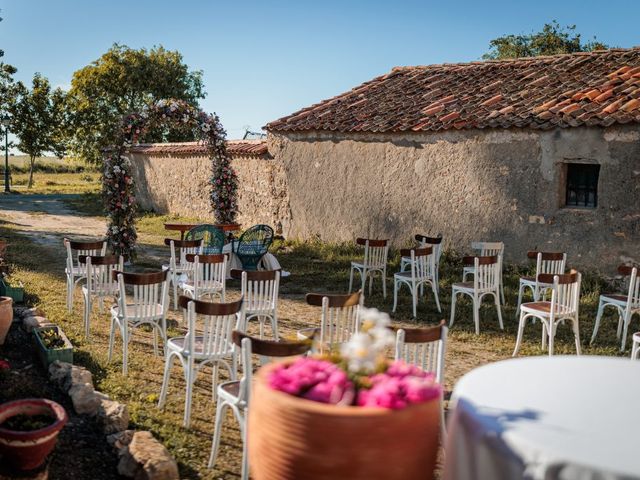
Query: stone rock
x=84 y=398
x=20 y=313
x=113 y=416
x=31 y=322
x=66 y=375
x=147 y=459
x=120 y=440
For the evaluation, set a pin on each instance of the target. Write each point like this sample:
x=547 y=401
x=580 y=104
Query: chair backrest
x=184 y=247
x=375 y=252
x=212 y=238
x=423 y=347
x=549 y=262
x=340 y=316
x=255 y=240
x=148 y=291
x=435 y=242
x=77 y=248
x=100 y=277
x=266 y=349
x=487 y=271
x=259 y=288
x=633 y=297
x=422 y=262
x=209 y=325
x=488 y=249
x=565 y=296
x=209 y=271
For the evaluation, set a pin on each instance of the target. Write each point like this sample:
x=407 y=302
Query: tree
x=122 y=81
x=38 y=121
x=552 y=40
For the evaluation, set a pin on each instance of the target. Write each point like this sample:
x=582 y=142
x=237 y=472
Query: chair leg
x=598 y=319
x=367 y=276
x=191 y=373
x=174 y=281
x=435 y=295
x=87 y=314
x=414 y=299
x=453 y=307
x=576 y=334
x=242 y=420
x=215 y=374
x=625 y=322
x=552 y=334
x=521 y=323
x=274 y=325
x=112 y=339
x=504 y=302
x=395 y=295
x=499 y=311
x=168 y=364
x=476 y=313
x=221 y=408
x=125 y=349
x=70 y=285
x=384 y=283
x=520 y=292
x=543 y=340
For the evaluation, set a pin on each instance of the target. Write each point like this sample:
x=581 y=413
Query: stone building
x=541 y=153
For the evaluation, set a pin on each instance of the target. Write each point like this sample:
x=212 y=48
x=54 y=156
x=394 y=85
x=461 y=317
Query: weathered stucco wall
x=487 y=185
x=178 y=183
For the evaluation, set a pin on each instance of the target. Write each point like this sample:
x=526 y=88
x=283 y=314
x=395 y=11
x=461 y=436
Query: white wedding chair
x=635 y=350
x=426 y=349
x=376 y=253
x=423 y=242
x=178 y=264
x=565 y=300
x=421 y=272
x=339 y=320
x=552 y=263
x=259 y=289
x=236 y=394
x=147 y=305
x=100 y=282
x=208 y=276
x=487 y=249
x=627 y=304
x=486 y=281
x=207 y=342
x=74 y=271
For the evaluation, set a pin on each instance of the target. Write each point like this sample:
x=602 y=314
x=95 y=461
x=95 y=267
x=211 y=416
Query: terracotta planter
x=293 y=438
x=28 y=450
x=6 y=317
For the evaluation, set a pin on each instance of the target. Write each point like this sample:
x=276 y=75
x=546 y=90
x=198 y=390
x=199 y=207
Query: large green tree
x=551 y=40
x=38 y=121
x=122 y=81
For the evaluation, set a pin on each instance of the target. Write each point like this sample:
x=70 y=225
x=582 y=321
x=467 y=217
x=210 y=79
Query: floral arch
x=118 y=185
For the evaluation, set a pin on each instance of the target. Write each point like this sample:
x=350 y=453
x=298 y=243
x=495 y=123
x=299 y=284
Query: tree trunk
x=33 y=161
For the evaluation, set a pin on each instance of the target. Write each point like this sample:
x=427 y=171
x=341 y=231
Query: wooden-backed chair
x=178 y=264
x=75 y=271
x=423 y=242
x=487 y=249
x=627 y=304
x=260 y=292
x=207 y=342
x=99 y=282
x=374 y=262
x=147 y=305
x=553 y=263
x=564 y=304
x=236 y=394
x=486 y=281
x=339 y=320
x=421 y=272
x=208 y=276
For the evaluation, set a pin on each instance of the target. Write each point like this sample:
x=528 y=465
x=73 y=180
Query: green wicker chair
x=212 y=238
x=252 y=245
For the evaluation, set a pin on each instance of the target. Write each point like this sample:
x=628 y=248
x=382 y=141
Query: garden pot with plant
x=353 y=415
x=6 y=317
x=29 y=430
x=52 y=344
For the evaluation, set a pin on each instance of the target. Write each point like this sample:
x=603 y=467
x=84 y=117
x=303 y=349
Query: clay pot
x=6 y=317
x=28 y=450
x=293 y=438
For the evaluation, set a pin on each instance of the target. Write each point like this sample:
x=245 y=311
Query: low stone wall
x=174 y=178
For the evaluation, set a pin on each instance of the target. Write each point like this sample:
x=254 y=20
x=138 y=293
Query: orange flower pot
x=293 y=438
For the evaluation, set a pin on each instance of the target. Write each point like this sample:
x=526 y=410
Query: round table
x=180 y=227
x=546 y=418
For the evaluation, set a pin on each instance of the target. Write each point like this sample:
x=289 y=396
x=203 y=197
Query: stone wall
x=177 y=183
x=484 y=185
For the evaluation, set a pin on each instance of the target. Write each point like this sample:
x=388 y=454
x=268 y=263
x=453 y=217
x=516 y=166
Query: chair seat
x=614 y=298
x=152 y=311
x=307 y=333
x=406 y=276
x=532 y=281
x=636 y=337
x=177 y=344
x=361 y=266
x=230 y=391
x=179 y=268
x=77 y=271
x=102 y=292
x=543 y=307
x=463 y=286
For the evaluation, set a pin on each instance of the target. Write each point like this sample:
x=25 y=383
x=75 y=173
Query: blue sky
x=263 y=60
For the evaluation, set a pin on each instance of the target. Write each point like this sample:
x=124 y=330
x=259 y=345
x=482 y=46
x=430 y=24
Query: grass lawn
x=314 y=266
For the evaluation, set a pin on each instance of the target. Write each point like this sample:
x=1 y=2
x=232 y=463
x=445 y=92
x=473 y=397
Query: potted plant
x=52 y=344
x=8 y=289
x=6 y=317
x=29 y=430
x=354 y=415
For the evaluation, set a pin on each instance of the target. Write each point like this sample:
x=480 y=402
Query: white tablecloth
x=268 y=262
x=546 y=418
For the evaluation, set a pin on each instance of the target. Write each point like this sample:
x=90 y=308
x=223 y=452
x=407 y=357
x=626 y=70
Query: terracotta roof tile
x=243 y=148
x=586 y=88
